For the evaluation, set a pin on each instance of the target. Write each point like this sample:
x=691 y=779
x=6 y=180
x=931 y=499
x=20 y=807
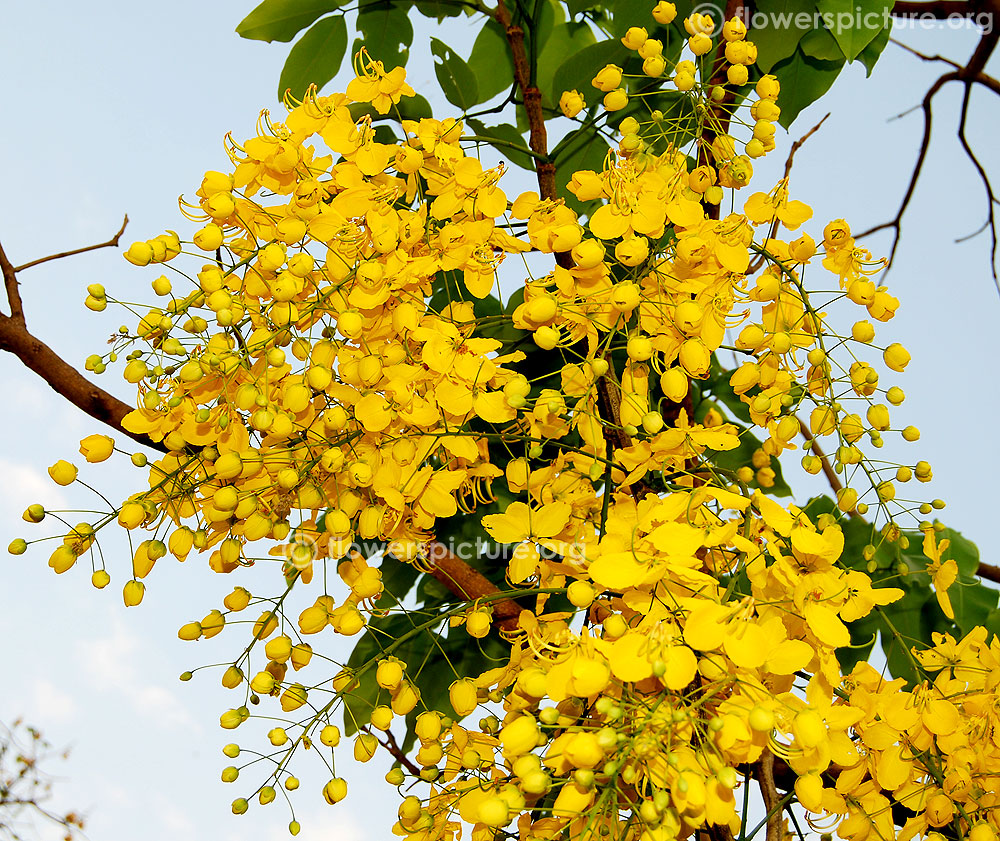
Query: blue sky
x=117 y=107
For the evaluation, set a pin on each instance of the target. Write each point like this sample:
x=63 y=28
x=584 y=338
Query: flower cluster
x=336 y=368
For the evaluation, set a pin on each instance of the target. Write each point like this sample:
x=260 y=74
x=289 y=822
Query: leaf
x=963 y=550
x=821 y=44
x=855 y=23
x=576 y=71
x=281 y=20
x=566 y=41
x=803 y=81
x=456 y=79
x=439 y=9
x=787 y=22
x=315 y=58
x=386 y=32
x=491 y=61
x=579 y=150
x=870 y=54
x=743 y=454
x=507 y=133
x=972 y=602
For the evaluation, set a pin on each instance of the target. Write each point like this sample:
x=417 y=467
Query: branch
x=65 y=380
x=545 y=170
x=392 y=746
x=10 y=285
x=895 y=223
x=971 y=73
x=937 y=9
x=987 y=186
x=468 y=583
x=798 y=144
x=111 y=243
x=765 y=779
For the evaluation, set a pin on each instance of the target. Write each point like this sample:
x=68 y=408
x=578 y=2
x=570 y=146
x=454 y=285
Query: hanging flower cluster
x=335 y=368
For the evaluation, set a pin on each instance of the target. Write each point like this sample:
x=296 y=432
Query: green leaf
x=963 y=550
x=505 y=133
x=576 y=71
x=803 y=81
x=491 y=61
x=566 y=41
x=456 y=79
x=821 y=44
x=281 y=20
x=992 y=622
x=870 y=54
x=579 y=150
x=855 y=23
x=972 y=603
x=386 y=31
x=315 y=58
x=787 y=22
x=439 y=9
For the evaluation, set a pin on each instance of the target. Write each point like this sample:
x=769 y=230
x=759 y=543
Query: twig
x=924 y=56
x=971 y=73
x=895 y=223
x=798 y=144
x=831 y=475
x=10 y=285
x=392 y=746
x=987 y=186
x=111 y=243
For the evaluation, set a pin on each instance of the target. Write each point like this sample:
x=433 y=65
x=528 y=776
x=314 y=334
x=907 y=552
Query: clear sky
x=116 y=107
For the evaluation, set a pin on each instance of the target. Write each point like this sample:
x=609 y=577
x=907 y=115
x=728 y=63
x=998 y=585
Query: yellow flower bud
x=63 y=473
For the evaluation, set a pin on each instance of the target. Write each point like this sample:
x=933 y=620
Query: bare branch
x=10 y=285
x=987 y=186
x=924 y=56
x=759 y=260
x=895 y=223
x=111 y=243
x=65 y=380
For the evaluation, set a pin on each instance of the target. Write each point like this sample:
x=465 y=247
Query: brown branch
x=10 y=285
x=971 y=73
x=895 y=223
x=66 y=381
x=987 y=186
x=765 y=779
x=938 y=9
x=111 y=243
x=392 y=746
x=545 y=170
x=468 y=583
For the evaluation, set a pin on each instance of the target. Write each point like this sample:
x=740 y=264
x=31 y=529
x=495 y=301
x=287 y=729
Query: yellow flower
x=97 y=448
x=63 y=473
x=943 y=573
